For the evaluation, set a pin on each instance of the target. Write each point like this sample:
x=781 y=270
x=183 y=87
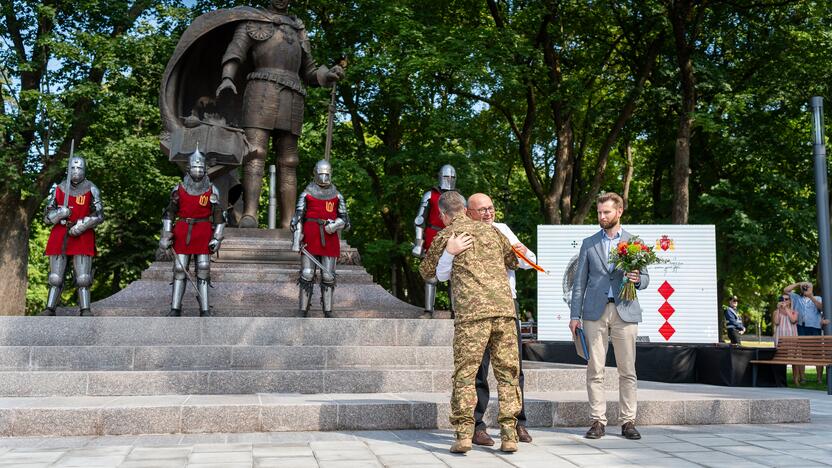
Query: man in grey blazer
x=596 y=302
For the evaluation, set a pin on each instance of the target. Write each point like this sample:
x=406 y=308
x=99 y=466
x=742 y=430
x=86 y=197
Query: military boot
x=461 y=445
x=508 y=446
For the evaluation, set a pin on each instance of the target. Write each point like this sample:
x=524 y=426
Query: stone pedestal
x=255 y=275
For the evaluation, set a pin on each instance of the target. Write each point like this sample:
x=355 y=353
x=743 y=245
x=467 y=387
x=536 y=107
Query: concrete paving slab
x=171 y=463
x=289 y=462
x=220 y=457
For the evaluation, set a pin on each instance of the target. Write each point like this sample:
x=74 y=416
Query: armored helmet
x=196 y=165
x=323 y=173
x=77 y=170
x=447 y=177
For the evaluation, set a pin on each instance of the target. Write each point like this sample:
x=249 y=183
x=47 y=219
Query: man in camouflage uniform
x=484 y=317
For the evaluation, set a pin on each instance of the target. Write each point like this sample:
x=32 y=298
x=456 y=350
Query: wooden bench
x=798 y=351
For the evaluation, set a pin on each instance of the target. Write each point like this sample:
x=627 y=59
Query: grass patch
x=810 y=377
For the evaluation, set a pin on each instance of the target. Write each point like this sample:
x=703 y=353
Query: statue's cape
x=194 y=71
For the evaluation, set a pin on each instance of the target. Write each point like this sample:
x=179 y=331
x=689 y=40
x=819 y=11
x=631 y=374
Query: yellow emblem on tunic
x=203 y=200
x=330 y=206
x=80 y=199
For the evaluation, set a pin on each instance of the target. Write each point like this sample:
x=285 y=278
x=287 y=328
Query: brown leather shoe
x=596 y=431
x=628 y=430
x=523 y=435
x=482 y=438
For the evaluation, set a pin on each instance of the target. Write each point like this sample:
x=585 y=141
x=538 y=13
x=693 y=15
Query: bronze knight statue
x=237 y=77
x=273 y=99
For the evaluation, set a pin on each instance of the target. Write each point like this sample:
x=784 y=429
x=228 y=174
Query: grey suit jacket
x=592 y=282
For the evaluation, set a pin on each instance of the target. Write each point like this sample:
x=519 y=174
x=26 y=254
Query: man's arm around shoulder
x=428 y=266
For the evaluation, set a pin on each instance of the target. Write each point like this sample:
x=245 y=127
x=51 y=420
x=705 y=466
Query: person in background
x=809 y=313
x=733 y=322
x=784 y=319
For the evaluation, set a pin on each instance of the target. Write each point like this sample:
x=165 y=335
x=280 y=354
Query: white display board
x=680 y=304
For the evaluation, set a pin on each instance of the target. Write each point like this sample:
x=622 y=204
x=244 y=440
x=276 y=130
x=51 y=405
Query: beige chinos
x=623 y=334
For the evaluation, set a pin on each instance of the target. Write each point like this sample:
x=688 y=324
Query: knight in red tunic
x=198 y=231
x=320 y=215
x=74 y=208
x=428 y=223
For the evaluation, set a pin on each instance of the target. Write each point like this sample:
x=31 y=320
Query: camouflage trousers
x=470 y=341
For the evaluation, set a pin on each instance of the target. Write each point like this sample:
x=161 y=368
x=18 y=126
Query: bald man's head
x=481 y=208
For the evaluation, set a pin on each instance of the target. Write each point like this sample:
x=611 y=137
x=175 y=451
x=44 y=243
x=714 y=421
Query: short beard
x=610 y=224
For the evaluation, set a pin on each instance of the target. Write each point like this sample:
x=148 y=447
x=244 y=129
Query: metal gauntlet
x=166 y=239
x=58 y=214
x=81 y=226
x=217 y=238
x=334 y=225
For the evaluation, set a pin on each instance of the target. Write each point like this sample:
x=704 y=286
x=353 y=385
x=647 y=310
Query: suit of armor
x=320 y=214
x=273 y=101
x=72 y=234
x=197 y=231
x=428 y=223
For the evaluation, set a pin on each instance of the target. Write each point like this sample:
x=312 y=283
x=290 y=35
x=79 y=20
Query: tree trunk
x=628 y=172
x=563 y=161
x=14 y=257
x=681 y=172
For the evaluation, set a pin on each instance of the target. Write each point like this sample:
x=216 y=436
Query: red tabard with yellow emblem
x=434 y=219
x=194 y=207
x=80 y=245
x=323 y=210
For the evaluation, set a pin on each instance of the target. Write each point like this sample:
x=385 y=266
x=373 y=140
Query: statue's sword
x=331 y=117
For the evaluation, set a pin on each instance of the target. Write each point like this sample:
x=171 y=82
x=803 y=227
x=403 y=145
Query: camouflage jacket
x=478 y=279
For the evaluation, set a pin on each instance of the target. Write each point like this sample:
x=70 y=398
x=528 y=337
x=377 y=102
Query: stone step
x=223 y=382
x=256 y=299
x=80 y=416
x=269 y=246
x=255 y=331
x=190 y=309
x=256 y=273
x=220 y=357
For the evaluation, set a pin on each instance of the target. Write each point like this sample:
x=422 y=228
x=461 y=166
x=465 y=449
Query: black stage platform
x=715 y=364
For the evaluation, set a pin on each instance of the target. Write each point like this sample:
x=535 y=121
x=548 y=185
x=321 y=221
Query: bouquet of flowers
x=632 y=255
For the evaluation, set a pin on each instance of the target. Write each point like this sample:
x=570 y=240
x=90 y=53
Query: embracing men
x=485 y=318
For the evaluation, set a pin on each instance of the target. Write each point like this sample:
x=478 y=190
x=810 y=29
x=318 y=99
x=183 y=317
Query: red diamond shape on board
x=667 y=331
x=666 y=290
x=666 y=310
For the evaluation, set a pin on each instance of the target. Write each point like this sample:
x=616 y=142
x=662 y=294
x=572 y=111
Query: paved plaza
x=737 y=446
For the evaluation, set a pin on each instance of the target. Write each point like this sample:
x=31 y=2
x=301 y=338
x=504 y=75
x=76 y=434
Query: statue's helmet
x=323 y=173
x=77 y=170
x=447 y=177
x=196 y=165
